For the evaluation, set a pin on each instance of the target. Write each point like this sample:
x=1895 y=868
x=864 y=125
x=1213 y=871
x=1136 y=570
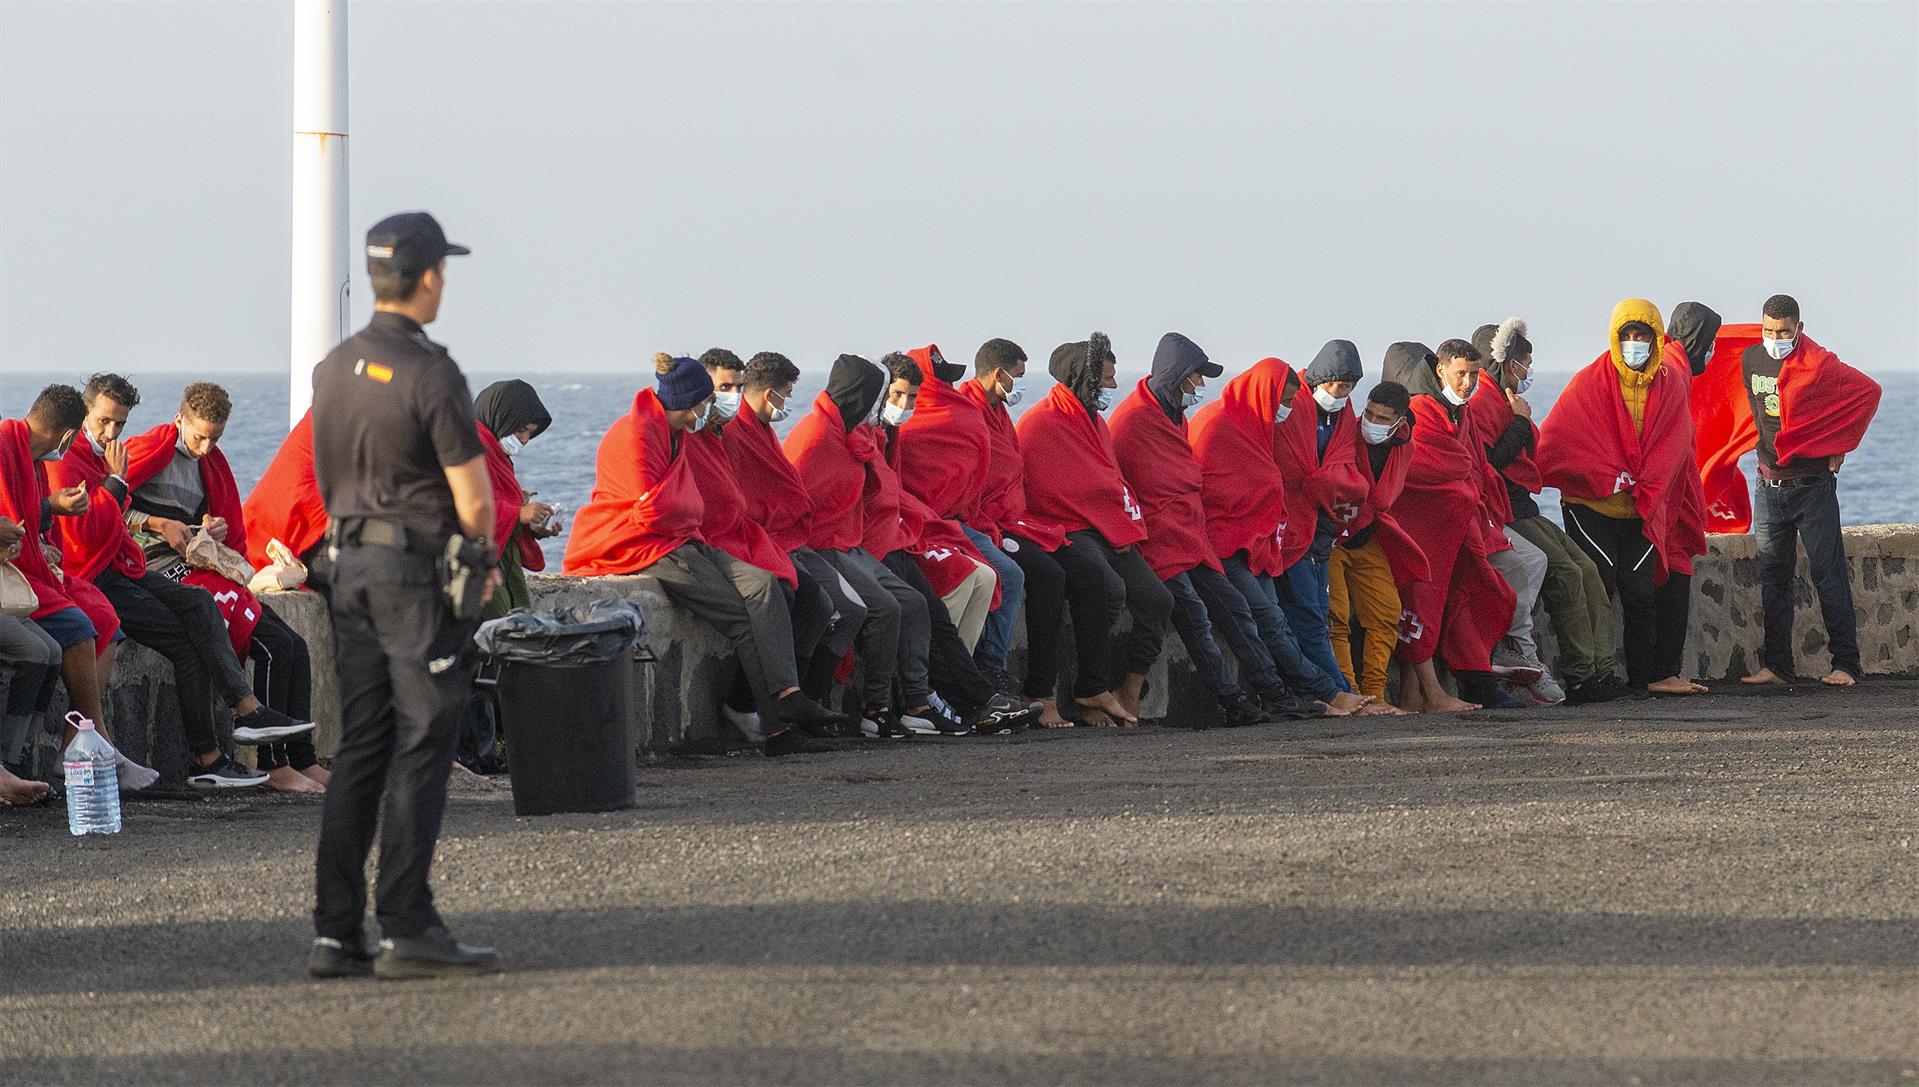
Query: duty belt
x=367 y=532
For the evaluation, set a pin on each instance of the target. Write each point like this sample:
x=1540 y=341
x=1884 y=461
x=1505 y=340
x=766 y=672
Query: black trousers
x=1782 y=518
x=949 y=664
x=283 y=679
x=182 y=624
x=1045 y=610
x=1101 y=584
x=406 y=668
x=1655 y=617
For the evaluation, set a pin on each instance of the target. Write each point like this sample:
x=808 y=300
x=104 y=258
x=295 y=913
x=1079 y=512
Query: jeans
x=1262 y=597
x=1781 y=518
x=1196 y=630
x=997 y=637
x=1305 y=593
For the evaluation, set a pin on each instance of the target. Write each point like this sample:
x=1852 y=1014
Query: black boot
x=433 y=954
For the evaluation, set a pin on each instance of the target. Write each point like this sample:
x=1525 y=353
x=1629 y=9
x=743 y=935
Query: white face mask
x=894 y=415
x=1375 y=433
x=1281 y=412
x=1018 y=392
x=726 y=405
x=1454 y=398
x=1523 y=384
x=1189 y=399
x=511 y=444
x=1327 y=401
x=1779 y=349
x=99 y=447
x=1105 y=399
x=1636 y=354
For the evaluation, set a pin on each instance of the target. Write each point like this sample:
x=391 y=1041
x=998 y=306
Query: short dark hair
x=390 y=284
x=114 y=387
x=1455 y=349
x=1782 y=307
x=205 y=400
x=719 y=358
x=1391 y=394
x=902 y=367
x=997 y=354
x=1640 y=325
x=770 y=370
x=58 y=408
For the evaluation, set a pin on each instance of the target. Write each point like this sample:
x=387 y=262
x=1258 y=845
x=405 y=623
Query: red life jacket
x=286 y=505
x=1002 y=502
x=775 y=497
x=644 y=502
x=723 y=522
x=1158 y=463
x=943 y=451
x=1242 y=487
x=1073 y=480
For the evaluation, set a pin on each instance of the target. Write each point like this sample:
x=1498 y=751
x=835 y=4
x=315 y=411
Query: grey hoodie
x=1175 y=360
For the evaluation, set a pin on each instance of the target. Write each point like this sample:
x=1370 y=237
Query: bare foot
x=1765 y=677
x=1698 y=687
x=1446 y=703
x=14 y=790
x=1092 y=718
x=1128 y=694
x=1329 y=710
x=1380 y=709
x=1049 y=715
x=1838 y=677
x=1675 y=685
x=1345 y=703
x=318 y=773
x=285 y=779
x=1105 y=703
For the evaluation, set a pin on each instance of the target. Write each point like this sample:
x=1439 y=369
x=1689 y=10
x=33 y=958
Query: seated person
x=644 y=517
x=29 y=669
x=1149 y=438
x=511 y=414
x=285 y=505
x=1074 y=488
x=178 y=477
x=1374 y=554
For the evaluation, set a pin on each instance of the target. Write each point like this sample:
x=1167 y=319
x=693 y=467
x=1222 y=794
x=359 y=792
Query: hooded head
x=1641 y=317
x=1507 y=345
x=1413 y=366
x=1081 y=367
x=1175 y=361
x=854 y=385
x=1337 y=362
x=934 y=367
x=1482 y=339
x=1694 y=328
x=507 y=407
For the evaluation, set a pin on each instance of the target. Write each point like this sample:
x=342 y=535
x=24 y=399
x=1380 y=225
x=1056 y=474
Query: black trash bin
x=565 y=705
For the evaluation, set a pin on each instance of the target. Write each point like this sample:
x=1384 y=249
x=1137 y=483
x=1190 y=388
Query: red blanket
x=943 y=450
x=775 y=497
x=1588 y=449
x=1825 y=407
x=823 y=454
x=1073 y=480
x=285 y=505
x=644 y=502
x=1243 y=490
x=1375 y=508
x=1464 y=606
x=1491 y=413
x=21 y=489
x=939 y=546
x=1158 y=463
x=97 y=539
x=508 y=497
x=1332 y=485
x=723 y=522
x=1002 y=503
x=147 y=455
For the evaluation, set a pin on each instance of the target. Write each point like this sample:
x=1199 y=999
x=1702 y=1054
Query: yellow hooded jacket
x=1634 y=386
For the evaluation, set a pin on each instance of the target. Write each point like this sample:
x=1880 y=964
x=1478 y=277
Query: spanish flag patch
x=377 y=371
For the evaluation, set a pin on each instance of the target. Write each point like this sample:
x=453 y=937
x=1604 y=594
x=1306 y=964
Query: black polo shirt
x=391 y=411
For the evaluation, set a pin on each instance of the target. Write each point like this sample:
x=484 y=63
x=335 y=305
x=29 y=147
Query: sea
x=1878 y=485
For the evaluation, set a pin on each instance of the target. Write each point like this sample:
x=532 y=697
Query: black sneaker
x=793 y=741
x=797 y=709
x=1240 y=711
x=266 y=725
x=883 y=724
x=1281 y=704
x=1585 y=693
x=349 y=958
x=1496 y=699
x=224 y=773
x=433 y=954
x=1001 y=715
x=933 y=721
x=1619 y=691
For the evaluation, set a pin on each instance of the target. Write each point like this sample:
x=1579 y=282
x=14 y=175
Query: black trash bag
x=569 y=637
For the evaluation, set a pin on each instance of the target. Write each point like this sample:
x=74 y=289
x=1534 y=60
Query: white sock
x=133 y=776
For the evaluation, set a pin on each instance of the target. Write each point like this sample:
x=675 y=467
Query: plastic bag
x=284 y=572
x=206 y=553
x=567 y=637
x=17 y=597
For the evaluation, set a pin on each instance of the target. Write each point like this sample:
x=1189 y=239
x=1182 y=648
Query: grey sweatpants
x=29 y=663
x=1524 y=568
x=898 y=630
x=745 y=604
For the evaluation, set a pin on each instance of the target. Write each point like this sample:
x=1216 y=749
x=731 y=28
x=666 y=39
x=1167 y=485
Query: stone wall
x=681 y=692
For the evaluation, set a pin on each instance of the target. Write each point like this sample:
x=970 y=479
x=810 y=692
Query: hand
x=1834 y=463
x=534 y=513
x=216 y=527
x=69 y=501
x=116 y=457
x=548 y=530
x=1519 y=405
x=175 y=533
x=493 y=581
x=11 y=533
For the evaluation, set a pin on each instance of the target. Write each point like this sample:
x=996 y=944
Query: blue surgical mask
x=1105 y=399
x=1375 y=433
x=1281 y=412
x=779 y=413
x=1636 y=354
x=1523 y=384
x=726 y=405
x=894 y=415
x=1189 y=399
x=1018 y=392
x=58 y=453
x=1779 y=349
x=511 y=444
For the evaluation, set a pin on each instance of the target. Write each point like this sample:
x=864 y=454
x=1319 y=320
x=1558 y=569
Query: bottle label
x=80 y=774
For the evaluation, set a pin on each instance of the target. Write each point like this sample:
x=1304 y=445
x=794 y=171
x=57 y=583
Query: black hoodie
x=1337 y=361
x=1414 y=366
x=1174 y=361
x=854 y=385
x=506 y=406
x=1695 y=326
x=1081 y=367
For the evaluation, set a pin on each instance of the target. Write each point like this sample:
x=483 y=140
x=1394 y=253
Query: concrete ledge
x=681 y=694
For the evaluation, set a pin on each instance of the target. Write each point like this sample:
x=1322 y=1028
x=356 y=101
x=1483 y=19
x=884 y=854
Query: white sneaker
x=1516 y=667
x=748 y=723
x=1545 y=691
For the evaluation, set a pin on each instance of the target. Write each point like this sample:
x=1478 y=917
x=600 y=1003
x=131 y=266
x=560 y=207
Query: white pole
x=319 y=193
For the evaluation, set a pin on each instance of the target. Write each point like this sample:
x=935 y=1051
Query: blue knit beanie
x=681 y=382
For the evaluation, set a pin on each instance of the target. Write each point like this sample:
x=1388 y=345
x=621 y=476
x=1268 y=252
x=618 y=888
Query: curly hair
x=59 y=408
x=206 y=401
x=770 y=370
x=719 y=358
x=115 y=387
x=901 y=367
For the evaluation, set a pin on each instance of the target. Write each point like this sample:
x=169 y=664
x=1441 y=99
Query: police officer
x=404 y=479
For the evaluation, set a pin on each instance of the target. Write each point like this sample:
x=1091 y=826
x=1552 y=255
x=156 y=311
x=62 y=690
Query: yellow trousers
x=1363 y=595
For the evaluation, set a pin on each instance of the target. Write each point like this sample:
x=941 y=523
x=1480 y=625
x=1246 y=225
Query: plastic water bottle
x=93 y=781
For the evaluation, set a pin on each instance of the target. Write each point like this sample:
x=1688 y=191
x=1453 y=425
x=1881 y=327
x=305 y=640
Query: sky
x=865 y=177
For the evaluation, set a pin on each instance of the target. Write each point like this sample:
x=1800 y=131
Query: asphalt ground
x=1717 y=890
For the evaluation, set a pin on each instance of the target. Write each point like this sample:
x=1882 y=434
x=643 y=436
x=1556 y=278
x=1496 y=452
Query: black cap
x=409 y=243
